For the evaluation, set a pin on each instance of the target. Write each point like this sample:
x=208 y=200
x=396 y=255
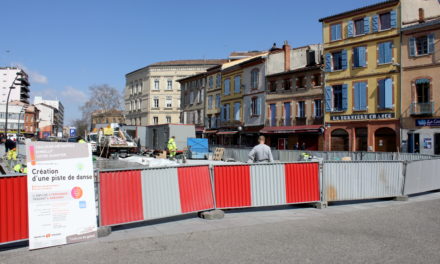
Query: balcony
x=301 y=121
x=422 y=109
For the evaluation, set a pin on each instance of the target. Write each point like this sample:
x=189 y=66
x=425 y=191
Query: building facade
x=362 y=78
x=420 y=120
x=107 y=117
x=58 y=114
x=213 y=102
x=16 y=113
x=193 y=89
x=31 y=118
x=20 y=88
x=294 y=101
x=152 y=94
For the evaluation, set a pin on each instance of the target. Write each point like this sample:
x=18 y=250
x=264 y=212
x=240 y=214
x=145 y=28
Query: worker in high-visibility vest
x=81 y=140
x=19 y=168
x=172 y=147
x=10 y=148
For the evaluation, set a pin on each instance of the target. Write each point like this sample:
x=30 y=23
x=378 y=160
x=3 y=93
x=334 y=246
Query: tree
x=103 y=98
x=81 y=126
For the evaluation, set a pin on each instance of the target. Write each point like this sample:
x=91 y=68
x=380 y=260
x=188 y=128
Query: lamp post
x=240 y=128
x=23 y=110
x=7 y=100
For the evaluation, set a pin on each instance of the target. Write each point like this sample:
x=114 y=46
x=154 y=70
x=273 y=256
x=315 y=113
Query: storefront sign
x=428 y=122
x=427 y=143
x=362 y=117
x=60 y=193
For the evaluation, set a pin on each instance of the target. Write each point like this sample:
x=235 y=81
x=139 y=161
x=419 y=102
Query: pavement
x=380 y=231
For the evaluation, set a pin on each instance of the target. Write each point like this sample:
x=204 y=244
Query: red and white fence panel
x=266 y=184
x=137 y=195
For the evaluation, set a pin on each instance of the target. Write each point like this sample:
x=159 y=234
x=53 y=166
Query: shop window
x=339 y=140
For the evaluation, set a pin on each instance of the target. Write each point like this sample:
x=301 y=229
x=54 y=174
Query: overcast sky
x=66 y=46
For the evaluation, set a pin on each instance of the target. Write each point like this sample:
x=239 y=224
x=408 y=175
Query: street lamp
x=239 y=135
x=7 y=100
x=23 y=110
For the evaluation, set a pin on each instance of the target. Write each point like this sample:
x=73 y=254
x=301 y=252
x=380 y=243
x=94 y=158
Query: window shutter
x=350 y=29
x=344 y=96
x=430 y=43
x=375 y=23
x=356 y=57
x=388 y=93
x=333 y=32
x=328 y=62
x=344 y=59
x=393 y=14
x=381 y=53
x=259 y=106
x=381 y=94
x=338 y=31
x=362 y=56
x=366 y=25
x=356 y=96
x=388 y=51
x=363 y=96
x=297 y=110
x=228 y=112
x=328 y=98
x=222 y=113
x=412 y=46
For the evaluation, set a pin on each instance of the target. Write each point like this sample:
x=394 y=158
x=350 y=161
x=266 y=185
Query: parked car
x=72 y=139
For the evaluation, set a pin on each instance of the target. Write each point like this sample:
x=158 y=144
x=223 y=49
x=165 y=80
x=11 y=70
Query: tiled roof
x=360 y=9
x=422 y=25
x=189 y=62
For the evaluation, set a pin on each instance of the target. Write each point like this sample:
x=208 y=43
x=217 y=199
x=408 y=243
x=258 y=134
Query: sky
x=68 y=46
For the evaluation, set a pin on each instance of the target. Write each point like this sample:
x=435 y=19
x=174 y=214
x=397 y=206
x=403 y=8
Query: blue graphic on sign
x=73 y=132
x=428 y=122
x=82 y=204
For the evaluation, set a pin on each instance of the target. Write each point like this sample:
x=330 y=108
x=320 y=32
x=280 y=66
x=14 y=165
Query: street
x=371 y=232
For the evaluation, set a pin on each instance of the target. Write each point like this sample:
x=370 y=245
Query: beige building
x=107 y=117
x=152 y=94
x=420 y=118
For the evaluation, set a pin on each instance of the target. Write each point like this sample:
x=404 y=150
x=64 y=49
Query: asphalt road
x=378 y=232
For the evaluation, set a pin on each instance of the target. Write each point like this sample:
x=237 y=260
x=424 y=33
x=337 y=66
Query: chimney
x=421 y=15
x=286 y=50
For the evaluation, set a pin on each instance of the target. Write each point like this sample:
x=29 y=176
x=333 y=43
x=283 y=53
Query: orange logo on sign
x=77 y=192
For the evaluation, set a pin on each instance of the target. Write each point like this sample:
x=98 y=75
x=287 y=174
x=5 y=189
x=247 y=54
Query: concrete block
x=320 y=205
x=402 y=198
x=212 y=215
x=104 y=231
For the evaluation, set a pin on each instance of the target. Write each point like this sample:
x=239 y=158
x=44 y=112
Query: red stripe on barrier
x=13 y=209
x=232 y=186
x=121 y=197
x=195 y=189
x=302 y=182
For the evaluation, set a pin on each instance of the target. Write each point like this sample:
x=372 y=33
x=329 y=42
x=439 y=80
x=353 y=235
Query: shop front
x=295 y=137
x=423 y=137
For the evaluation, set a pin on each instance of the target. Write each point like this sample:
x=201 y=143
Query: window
x=385 y=93
x=336 y=98
x=139 y=104
x=421 y=45
x=156 y=102
x=385 y=52
x=140 y=86
x=317 y=108
x=273 y=115
x=227 y=84
x=169 y=102
x=300 y=82
x=156 y=84
x=337 y=60
x=272 y=86
x=359 y=27
x=191 y=97
x=237 y=110
x=217 y=101
x=360 y=96
x=255 y=106
x=211 y=82
x=287 y=84
x=301 y=110
x=287 y=113
x=336 y=32
x=225 y=112
x=422 y=90
x=218 y=80
x=360 y=57
x=237 y=84
x=385 y=21
x=201 y=96
x=130 y=107
x=169 y=85
x=155 y=120
x=254 y=78
x=210 y=102
x=317 y=79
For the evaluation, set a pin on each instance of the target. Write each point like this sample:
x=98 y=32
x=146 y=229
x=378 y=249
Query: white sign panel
x=60 y=193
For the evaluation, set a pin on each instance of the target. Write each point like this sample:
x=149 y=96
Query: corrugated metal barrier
x=422 y=176
x=137 y=195
x=13 y=208
x=266 y=184
x=362 y=180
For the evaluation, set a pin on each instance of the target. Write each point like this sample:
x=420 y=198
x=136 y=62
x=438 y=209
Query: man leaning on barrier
x=261 y=152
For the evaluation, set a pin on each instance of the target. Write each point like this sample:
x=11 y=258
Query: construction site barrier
x=348 y=180
x=13 y=208
x=128 y=196
x=422 y=176
x=238 y=186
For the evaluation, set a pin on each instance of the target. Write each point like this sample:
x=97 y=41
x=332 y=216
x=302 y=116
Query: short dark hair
x=261 y=138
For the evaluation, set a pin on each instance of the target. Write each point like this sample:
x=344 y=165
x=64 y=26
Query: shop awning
x=210 y=131
x=199 y=129
x=291 y=129
x=227 y=132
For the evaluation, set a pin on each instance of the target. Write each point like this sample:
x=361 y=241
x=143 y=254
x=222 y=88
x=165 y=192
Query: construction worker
x=19 y=168
x=172 y=147
x=81 y=140
x=261 y=152
x=10 y=148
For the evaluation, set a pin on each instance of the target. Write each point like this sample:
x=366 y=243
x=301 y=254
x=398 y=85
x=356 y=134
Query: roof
x=246 y=53
x=361 y=9
x=422 y=25
x=211 y=62
x=307 y=68
x=194 y=76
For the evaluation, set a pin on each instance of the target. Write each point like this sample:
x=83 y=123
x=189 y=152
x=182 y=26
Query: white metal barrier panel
x=422 y=176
